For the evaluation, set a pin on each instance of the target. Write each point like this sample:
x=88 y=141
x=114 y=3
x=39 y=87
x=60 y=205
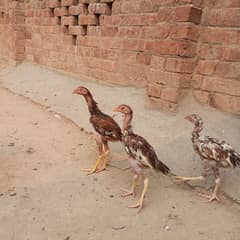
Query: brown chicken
x=213 y=153
x=107 y=130
x=141 y=154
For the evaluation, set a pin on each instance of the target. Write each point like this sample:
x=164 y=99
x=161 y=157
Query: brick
x=226 y=102
x=188 y=14
x=154 y=90
x=228 y=70
x=160 y=31
x=185 y=31
x=206 y=67
x=170 y=94
x=221 y=85
x=77 y=30
x=229 y=17
x=168 y=79
x=220 y=35
x=171 y=47
x=133 y=44
x=180 y=65
x=77 y=10
x=58 y=12
x=65 y=3
x=130 y=32
x=139 y=20
x=53 y=3
x=207 y=51
x=108 y=31
x=69 y=20
x=157 y=62
x=227 y=3
x=231 y=54
x=88 y=20
x=202 y=96
x=99 y=8
x=143 y=58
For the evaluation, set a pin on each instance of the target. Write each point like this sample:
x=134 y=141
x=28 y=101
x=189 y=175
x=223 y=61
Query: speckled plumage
x=215 y=154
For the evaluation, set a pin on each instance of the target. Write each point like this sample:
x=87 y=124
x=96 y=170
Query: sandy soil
x=44 y=195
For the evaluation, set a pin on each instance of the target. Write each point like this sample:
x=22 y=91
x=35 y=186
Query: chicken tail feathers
x=160 y=166
x=235 y=159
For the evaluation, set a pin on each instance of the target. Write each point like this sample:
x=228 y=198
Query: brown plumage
x=141 y=153
x=105 y=126
x=215 y=154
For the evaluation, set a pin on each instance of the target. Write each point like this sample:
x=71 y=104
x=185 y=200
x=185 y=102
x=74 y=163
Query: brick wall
x=12 y=33
x=216 y=78
x=170 y=47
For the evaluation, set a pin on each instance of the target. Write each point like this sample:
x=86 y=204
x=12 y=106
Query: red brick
x=77 y=10
x=53 y=3
x=206 y=67
x=180 y=65
x=160 y=31
x=228 y=70
x=130 y=32
x=185 y=31
x=170 y=94
x=226 y=102
x=99 y=8
x=221 y=85
x=108 y=31
x=188 y=14
x=154 y=90
x=143 y=58
x=220 y=35
x=207 y=51
x=133 y=44
x=77 y=30
x=69 y=20
x=168 y=79
x=232 y=54
x=88 y=20
x=229 y=17
x=139 y=20
x=202 y=96
x=157 y=62
x=227 y=3
x=68 y=2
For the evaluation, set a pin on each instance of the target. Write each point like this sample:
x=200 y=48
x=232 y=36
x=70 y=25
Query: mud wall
x=170 y=47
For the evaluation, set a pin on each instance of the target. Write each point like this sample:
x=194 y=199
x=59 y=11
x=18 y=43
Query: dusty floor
x=43 y=194
x=168 y=133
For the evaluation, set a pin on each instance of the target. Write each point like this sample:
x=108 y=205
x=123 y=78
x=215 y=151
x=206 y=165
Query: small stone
x=118 y=227
x=111 y=196
x=12 y=194
x=11 y=144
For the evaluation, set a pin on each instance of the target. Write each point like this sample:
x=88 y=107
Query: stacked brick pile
x=217 y=75
x=170 y=47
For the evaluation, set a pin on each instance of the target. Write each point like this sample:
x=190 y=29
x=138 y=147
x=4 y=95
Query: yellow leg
x=132 y=190
x=186 y=179
x=215 y=191
x=95 y=168
x=105 y=158
x=139 y=204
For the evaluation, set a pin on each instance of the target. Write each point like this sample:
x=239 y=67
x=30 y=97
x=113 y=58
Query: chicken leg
x=139 y=204
x=100 y=158
x=132 y=190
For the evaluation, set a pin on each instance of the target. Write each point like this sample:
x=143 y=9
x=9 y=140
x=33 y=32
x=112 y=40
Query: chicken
x=105 y=126
x=214 y=154
x=141 y=154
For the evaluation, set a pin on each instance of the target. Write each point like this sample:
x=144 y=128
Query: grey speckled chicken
x=141 y=154
x=214 y=154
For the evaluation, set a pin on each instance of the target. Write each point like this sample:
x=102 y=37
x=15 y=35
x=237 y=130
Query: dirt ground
x=44 y=195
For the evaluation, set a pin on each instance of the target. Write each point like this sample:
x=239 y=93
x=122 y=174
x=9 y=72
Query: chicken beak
x=74 y=91
x=115 y=109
